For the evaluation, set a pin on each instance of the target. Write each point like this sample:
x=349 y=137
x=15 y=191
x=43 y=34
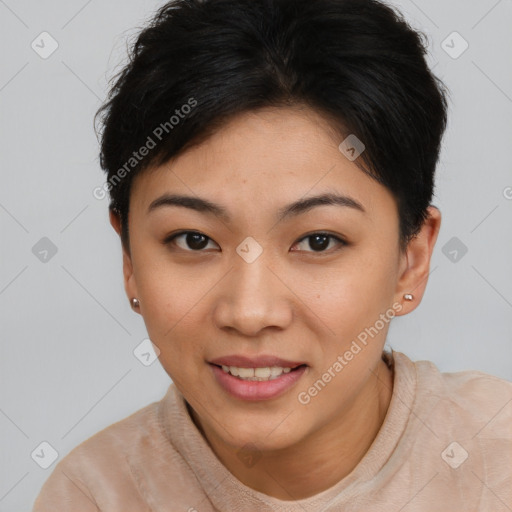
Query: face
x=264 y=284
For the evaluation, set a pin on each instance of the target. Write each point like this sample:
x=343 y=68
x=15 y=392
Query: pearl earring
x=408 y=296
x=135 y=303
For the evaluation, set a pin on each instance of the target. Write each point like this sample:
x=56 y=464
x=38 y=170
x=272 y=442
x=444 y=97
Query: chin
x=262 y=436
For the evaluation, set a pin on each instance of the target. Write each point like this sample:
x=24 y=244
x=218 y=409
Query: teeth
x=258 y=374
x=263 y=373
x=242 y=372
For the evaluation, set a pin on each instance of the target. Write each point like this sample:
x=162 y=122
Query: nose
x=253 y=297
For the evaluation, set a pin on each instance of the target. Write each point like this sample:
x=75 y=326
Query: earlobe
x=416 y=263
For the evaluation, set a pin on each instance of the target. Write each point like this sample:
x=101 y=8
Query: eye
x=194 y=241
x=320 y=241
x=191 y=241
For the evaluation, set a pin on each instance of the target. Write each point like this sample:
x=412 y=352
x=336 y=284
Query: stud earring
x=135 y=303
x=408 y=296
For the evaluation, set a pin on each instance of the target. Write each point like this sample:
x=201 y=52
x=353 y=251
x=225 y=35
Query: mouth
x=259 y=374
x=262 y=378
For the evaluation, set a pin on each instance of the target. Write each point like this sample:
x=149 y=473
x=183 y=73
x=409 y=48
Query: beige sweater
x=445 y=445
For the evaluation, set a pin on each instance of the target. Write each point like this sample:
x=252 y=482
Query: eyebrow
x=296 y=208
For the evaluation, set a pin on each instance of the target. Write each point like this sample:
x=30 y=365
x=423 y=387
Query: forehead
x=272 y=156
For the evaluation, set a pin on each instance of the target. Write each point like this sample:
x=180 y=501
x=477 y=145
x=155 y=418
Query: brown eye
x=189 y=240
x=318 y=242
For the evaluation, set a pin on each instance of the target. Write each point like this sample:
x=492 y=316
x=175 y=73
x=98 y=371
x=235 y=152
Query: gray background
x=67 y=359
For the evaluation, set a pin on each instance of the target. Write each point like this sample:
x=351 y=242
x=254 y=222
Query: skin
x=293 y=301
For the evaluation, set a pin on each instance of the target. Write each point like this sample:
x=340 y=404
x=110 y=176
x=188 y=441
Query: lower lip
x=257 y=390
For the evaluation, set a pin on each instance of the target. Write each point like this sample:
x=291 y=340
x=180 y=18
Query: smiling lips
x=257 y=378
x=259 y=368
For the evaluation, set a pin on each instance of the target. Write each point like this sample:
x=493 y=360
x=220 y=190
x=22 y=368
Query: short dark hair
x=198 y=63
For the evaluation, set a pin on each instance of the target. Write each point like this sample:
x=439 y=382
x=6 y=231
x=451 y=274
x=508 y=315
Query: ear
x=415 y=262
x=130 y=285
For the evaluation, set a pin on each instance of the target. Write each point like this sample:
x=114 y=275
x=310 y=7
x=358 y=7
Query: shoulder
x=117 y=442
x=466 y=416
x=79 y=478
x=470 y=408
x=459 y=426
x=124 y=465
x=478 y=399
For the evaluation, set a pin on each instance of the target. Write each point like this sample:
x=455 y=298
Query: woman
x=271 y=168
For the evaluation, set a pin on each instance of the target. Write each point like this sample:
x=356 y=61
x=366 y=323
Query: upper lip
x=261 y=361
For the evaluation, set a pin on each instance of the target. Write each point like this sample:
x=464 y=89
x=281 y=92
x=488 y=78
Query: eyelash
x=342 y=242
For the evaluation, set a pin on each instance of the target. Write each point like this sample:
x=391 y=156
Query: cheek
x=171 y=314
x=349 y=299
x=359 y=286
x=169 y=290
x=173 y=298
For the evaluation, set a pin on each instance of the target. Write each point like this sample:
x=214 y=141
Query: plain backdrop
x=68 y=367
